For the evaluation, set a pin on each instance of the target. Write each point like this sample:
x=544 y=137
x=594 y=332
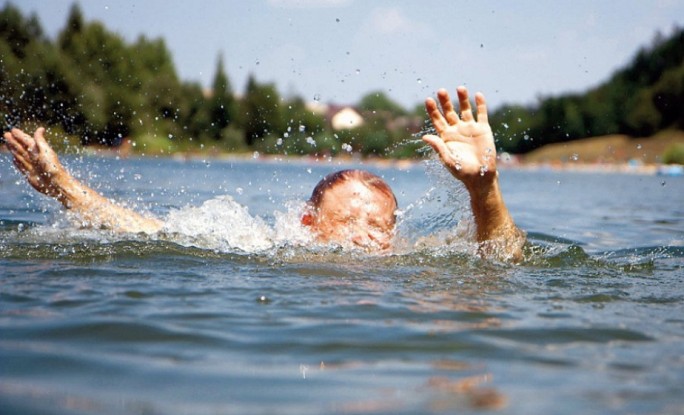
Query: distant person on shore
x=349 y=207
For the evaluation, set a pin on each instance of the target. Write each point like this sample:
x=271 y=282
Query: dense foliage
x=91 y=84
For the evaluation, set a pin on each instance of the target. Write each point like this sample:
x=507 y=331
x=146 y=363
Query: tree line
x=89 y=83
x=639 y=100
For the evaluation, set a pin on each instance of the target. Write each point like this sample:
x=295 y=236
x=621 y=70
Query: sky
x=336 y=51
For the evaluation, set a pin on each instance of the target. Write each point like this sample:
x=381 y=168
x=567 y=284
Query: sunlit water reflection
x=232 y=309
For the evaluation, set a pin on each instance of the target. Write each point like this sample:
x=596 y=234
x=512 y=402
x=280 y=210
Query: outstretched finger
x=22 y=165
x=481 y=103
x=23 y=139
x=464 y=104
x=15 y=147
x=436 y=117
x=447 y=106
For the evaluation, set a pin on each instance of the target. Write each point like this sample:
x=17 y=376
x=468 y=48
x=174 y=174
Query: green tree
x=261 y=109
x=374 y=141
x=378 y=101
x=73 y=28
x=222 y=106
x=668 y=98
x=16 y=31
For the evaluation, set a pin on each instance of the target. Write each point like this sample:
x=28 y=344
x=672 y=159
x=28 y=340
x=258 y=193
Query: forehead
x=352 y=195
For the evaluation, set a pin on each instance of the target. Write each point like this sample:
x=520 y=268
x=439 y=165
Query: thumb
x=438 y=145
x=41 y=144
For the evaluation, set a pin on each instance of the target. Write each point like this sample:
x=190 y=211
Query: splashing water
x=219 y=224
x=457 y=163
x=223 y=225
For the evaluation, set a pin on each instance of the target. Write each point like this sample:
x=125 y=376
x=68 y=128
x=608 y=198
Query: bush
x=674 y=154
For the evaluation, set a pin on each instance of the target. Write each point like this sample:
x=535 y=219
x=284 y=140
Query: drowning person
x=349 y=207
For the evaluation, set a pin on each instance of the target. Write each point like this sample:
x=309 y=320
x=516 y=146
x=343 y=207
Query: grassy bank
x=612 y=149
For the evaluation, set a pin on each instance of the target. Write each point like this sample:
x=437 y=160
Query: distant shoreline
x=511 y=163
x=593 y=155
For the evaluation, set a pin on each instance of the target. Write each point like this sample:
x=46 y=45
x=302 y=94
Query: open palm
x=36 y=160
x=465 y=145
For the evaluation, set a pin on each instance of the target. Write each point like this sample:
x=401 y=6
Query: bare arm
x=36 y=160
x=466 y=147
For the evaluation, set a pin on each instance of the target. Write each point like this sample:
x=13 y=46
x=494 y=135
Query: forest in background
x=92 y=87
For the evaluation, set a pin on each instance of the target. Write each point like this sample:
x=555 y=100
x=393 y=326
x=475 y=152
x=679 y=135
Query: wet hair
x=367 y=178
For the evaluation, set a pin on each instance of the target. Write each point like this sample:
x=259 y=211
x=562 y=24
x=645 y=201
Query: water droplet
x=663 y=183
x=317 y=97
x=574 y=157
x=483 y=170
x=638 y=146
x=337 y=20
x=419 y=80
x=526 y=137
x=239 y=190
x=302 y=128
x=255 y=155
x=279 y=141
x=358 y=71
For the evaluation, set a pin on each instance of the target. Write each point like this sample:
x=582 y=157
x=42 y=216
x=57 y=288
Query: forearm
x=94 y=210
x=495 y=229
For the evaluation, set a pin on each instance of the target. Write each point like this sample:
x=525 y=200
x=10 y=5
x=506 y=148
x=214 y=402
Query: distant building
x=346 y=118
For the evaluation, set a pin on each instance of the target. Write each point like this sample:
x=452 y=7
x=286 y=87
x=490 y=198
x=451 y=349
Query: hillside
x=608 y=149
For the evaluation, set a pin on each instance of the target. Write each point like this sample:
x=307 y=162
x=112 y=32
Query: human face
x=352 y=213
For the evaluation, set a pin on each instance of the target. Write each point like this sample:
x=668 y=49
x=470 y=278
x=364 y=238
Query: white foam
x=224 y=225
x=220 y=224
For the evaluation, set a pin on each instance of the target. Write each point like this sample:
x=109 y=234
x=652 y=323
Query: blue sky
x=339 y=50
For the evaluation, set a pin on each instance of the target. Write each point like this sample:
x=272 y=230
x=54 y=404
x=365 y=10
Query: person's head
x=352 y=206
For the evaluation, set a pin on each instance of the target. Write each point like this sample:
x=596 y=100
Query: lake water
x=231 y=311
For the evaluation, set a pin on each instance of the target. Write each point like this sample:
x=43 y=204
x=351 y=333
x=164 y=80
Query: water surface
x=215 y=317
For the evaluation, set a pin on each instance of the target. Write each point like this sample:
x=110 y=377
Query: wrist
x=482 y=188
x=70 y=192
x=489 y=210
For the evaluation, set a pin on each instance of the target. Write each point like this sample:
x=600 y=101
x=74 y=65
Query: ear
x=307 y=219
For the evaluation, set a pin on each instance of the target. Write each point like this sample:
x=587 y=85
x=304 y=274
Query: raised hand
x=466 y=147
x=34 y=157
x=464 y=144
x=37 y=161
